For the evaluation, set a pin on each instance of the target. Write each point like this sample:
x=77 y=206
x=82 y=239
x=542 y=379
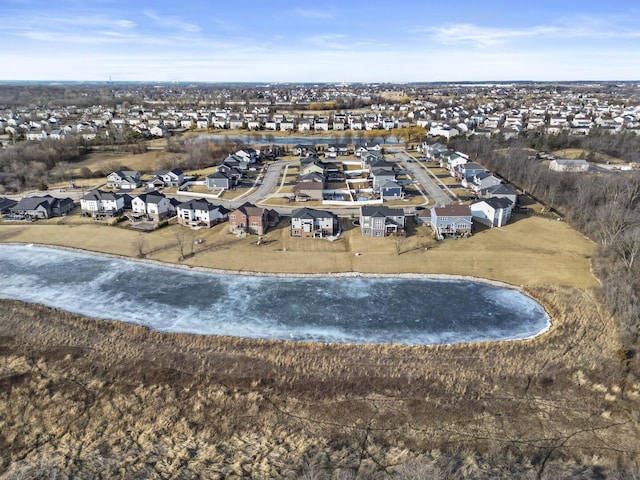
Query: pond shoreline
x=311 y=330
x=220 y=271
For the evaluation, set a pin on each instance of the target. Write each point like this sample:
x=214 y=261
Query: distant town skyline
x=282 y=41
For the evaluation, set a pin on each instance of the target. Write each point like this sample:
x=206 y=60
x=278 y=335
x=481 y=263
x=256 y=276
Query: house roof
x=250 y=210
x=390 y=184
x=32 y=203
x=311 y=213
x=571 y=163
x=152 y=197
x=497 y=203
x=101 y=195
x=452 y=211
x=198 y=204
x=502 y=189
x=308 y=185
x=380 y=211
x=6 y=203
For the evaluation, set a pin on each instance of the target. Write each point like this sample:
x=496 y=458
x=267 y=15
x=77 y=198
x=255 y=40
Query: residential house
x=381 y=175
x=481 y=181
x=98 y=203
x=167 y=178
x=309 y=187
x=42 y=207
x=369 y=157
x=451 y=221
x=451 y=160
x=493 y=212
x=237 y=161
x=467 y=171
x=311 y=165
x=380 y=221
x=251 y=219
x=220 y=180
x=391 y=190
x=232 y=172
x=309 y=223
x=6 y=204
x=124 y=179
x=250 y=155
x=559 y=165
x=154 y=205
x=305 y=150
x=500 y=191
x=337 y=150
x=200 y=213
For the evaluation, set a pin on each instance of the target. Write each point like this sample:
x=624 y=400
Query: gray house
x=124 y=179
x=379 y=221
x=6 y=204
x=42 y=207
x=500 y=191
x=167 y=178
x=219 y=180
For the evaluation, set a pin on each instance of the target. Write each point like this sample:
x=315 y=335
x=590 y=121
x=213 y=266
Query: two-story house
x=200 y=213
x=451 y=221
x=306 y=222
x=380 y=221
x=249 y=218
x=154 y=205
x=99 y=203
x=124 y=179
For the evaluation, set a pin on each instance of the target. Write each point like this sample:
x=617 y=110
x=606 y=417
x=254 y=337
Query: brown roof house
x=248 y=218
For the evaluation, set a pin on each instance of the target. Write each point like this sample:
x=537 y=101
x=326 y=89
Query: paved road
x=435 y=191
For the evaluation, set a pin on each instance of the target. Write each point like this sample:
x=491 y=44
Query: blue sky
x=330 y=41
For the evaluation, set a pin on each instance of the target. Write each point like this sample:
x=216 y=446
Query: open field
x=107 y=162
x=81 y=398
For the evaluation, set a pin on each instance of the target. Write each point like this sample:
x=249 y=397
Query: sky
x=322 y=41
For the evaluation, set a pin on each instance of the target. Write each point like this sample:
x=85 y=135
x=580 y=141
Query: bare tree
x=627 y=246
x=140 y=244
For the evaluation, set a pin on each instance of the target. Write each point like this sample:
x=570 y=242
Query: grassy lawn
x=580 y=154
x=529 y=251
x=148 y=162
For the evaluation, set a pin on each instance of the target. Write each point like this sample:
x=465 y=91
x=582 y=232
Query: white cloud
x=336 y=41
x=485 y=36
x=173 y=23
x=307 y=13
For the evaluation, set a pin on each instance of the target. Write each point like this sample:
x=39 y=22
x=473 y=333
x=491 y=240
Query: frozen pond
x=322 y=309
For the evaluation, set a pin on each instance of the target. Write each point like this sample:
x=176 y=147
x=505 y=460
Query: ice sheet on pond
x=321 y=309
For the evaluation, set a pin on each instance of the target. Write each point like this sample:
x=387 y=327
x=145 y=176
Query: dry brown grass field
x=82 y=398
x=529 y=251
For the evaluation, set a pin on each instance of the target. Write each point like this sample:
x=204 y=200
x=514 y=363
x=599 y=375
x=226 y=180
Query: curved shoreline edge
x=218 y=271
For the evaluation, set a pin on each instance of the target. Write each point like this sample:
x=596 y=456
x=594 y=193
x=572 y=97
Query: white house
x=154 y=205
x=200 y=213
x=493 y=212
x=99 y=203
x=569 y=165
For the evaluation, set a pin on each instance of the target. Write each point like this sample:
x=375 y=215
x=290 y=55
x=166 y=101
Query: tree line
x=603 y=206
